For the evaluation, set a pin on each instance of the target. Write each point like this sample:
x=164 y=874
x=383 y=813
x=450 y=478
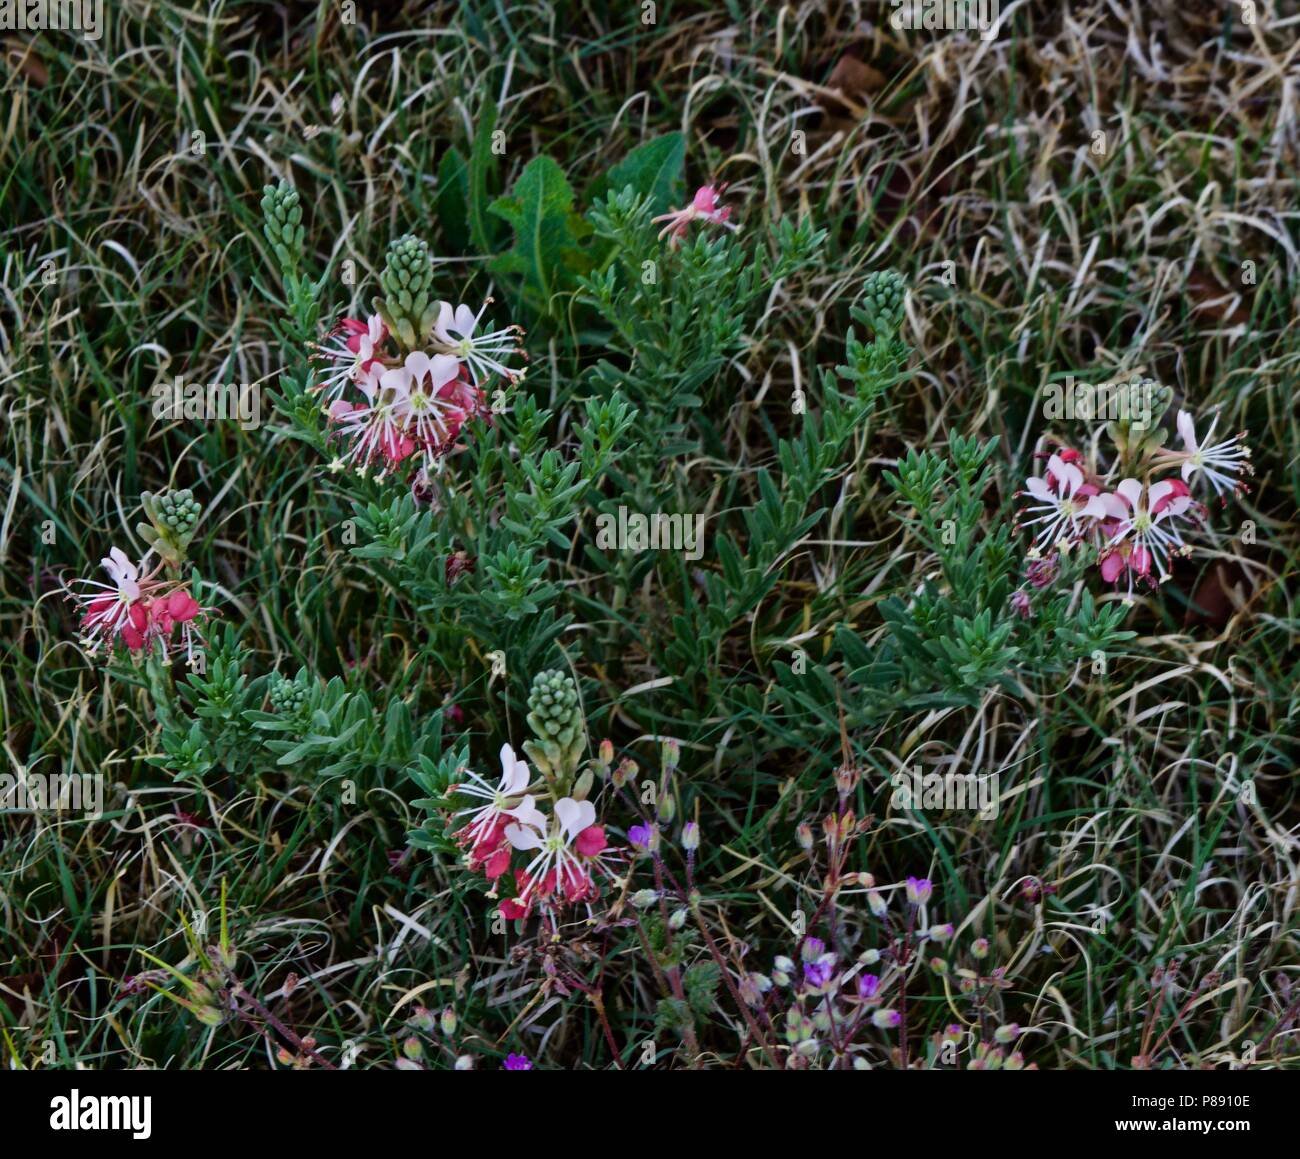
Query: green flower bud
x=287 y=698
x=556 y=720
x=407 y=304
x=881 y=306
x=282 y=223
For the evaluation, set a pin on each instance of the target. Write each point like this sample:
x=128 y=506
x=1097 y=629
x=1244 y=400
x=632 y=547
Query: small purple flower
x=639 y=835
x=517 y=1062
x=918 y=890
x=812 y=949
x=1021 y=604
x=868 y=984
x=819 y=973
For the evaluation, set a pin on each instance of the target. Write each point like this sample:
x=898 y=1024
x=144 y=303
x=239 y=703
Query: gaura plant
x=148 y=608
x=1131 y=506
x=564 y=850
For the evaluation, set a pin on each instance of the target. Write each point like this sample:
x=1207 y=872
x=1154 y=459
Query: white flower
x=422 y=414
x=1060 y=502
x=554 y=846
x=1146 y=519
x=513 y=783
x=481 y=353
x=1217 y=462
x=124 y=574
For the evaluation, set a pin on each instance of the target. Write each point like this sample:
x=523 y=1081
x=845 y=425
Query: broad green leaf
x=545 y=252
x=653 y=169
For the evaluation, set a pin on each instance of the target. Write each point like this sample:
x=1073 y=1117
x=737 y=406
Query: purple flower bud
x=517 y=1062
x=690 y=836
x=812 y=949
x=868 y=984
x=919 y=890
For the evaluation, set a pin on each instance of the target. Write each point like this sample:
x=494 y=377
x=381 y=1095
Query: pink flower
x=703 y=207
x=118 y=610
x=591 y=841
x=354 y=353
x=1041 y=572
x=165 y=614
x=553 y=848
x=506 y=805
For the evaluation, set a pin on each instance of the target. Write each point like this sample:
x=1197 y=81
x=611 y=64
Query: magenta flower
x=703 y=207
x=516 y=1062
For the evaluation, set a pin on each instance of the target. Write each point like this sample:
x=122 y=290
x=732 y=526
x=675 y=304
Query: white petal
x=1131 y=492
x=465 y=320
x=527 y=813
x=396 y=379
x=1114 y=506
x=1095 y=508
x=1039 y=489
x=1070 y=477
x=514 y=772
x=443 y=368
x=521 y=838
x=574 y=816
x=417 y=362
x=116 y=564
x=445 y=321
x=1158 y=491
x=1187 y=428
